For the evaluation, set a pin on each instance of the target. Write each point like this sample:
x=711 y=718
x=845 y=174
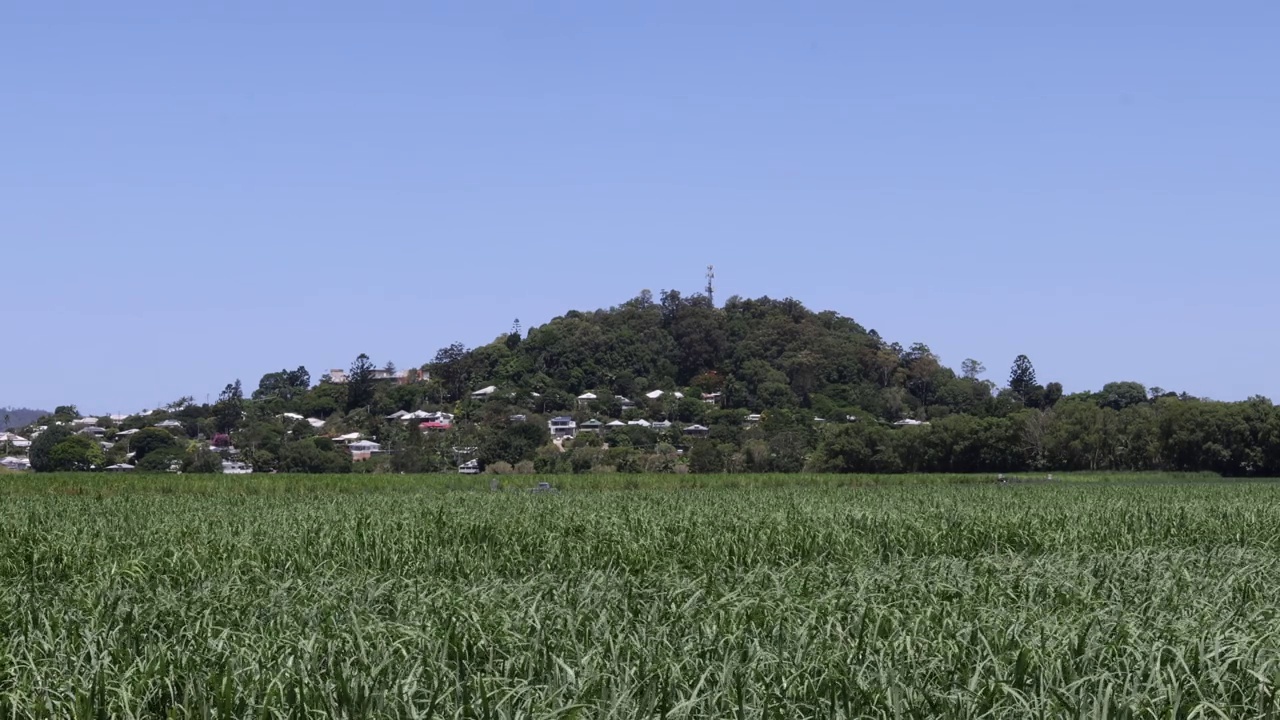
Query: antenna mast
x=711 y=279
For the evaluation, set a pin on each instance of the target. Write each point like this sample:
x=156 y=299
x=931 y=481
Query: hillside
x=19 y=417
x=676 y=384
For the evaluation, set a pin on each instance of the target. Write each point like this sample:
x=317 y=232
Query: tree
x=1022 y=376
x=77 y=452
x=202 y=460
x=41 y=451
x=705 y=457
x=287 y=385
x=360 y=383
x=151 y=440
x=971 y=369
x=449 y=367
x=229 y=410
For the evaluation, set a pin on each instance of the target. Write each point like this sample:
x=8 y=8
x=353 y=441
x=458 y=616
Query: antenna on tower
x=711 y=279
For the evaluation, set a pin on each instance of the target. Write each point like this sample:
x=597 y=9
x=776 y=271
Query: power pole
x=711 y=278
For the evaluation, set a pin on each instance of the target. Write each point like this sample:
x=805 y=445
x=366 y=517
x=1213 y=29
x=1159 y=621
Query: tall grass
x=387 y=597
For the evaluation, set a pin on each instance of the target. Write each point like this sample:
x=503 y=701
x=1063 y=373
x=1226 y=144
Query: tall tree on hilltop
x=449 y=367
x=1022 y=376
x=360 y=383
x=970 y=369
x=229 y=410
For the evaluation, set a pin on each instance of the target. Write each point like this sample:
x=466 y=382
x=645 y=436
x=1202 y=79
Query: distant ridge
x=19 y=417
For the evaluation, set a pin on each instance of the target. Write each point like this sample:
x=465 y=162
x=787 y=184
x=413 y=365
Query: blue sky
x=191 y=195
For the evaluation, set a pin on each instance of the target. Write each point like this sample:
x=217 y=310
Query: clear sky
x=190 y=195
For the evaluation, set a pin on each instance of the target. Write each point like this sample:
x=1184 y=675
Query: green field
x=626 y=596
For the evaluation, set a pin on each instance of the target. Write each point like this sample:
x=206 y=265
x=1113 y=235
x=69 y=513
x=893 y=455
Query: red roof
x=434 y=426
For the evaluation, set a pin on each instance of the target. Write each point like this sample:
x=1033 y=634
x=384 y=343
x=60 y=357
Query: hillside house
x=661 y=425
x=562 y=427
x=84 y=421
x=120 y=467
x=696 y=431
x=592 y=426
x=363 y=449
x=484 y=392
x=624 y=403
x=585 y=399
x=167 y=424
x=92 y=431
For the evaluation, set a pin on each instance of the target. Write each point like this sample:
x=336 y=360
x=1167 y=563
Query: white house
x=348 y=438
x=85 y=421
x=315 y=422
x=127 y=433
x=752 y=418
x=616 y=424
x=470 y=467
x=399 y=415
x=15 y=463
x=291 y=416
x=586 y=399
x=624 y=403
x=655 y=394
x=118 y=418
x=120 y=467
x=93 y=430
x=562 y=427
x=711 y=398
x=365 y=446
x=696 y=430
x=908 y=422
x=661 y=425
x=484 y=392
x=641 y=422
x=169 y=424
x=230 y=467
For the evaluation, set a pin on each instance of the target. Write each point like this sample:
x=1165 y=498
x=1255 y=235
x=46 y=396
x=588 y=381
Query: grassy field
x=392 y=596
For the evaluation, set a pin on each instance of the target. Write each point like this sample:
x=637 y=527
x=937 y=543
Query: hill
x=19 y=417
x=677 y=384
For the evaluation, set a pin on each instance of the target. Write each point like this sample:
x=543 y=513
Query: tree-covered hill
x=770 y=386
x=11 y=417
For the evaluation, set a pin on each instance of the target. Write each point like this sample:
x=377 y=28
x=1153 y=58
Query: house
x=484 y=392
x=615 y=424
x=230 y=467
x=15 y=463
x=641 y=422
x=908 y=422
x=661 y=425
x=85 y=421
x=592 y=426
x=93 y=430
x=363 y=449
x=13 y=438
x=752 y=419
x=655 y=394
x=127 y=433
x=117 y=418
x=517 y=418
x=290 y=416
x=169 y=424
x=399 y=415
x=712 y=398
x=696 y=431
x=562 y=427
x=348 y=438
x=315 y=422
x=470 y=467
x=433 y=425
x=337 y=375
x=624 y=403
x=586 y=399
x=120 y=467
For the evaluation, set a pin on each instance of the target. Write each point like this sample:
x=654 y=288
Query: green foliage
x=76 y=452
x=41 y=451
x=387 y=597
x=150 y=440
x=202 y=460
x=360 y=382
x=316 y=455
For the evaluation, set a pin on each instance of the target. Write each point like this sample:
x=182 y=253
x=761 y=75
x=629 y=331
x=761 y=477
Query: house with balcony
x=562 y=427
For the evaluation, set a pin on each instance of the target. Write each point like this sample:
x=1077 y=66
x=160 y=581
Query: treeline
x=827 y=391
